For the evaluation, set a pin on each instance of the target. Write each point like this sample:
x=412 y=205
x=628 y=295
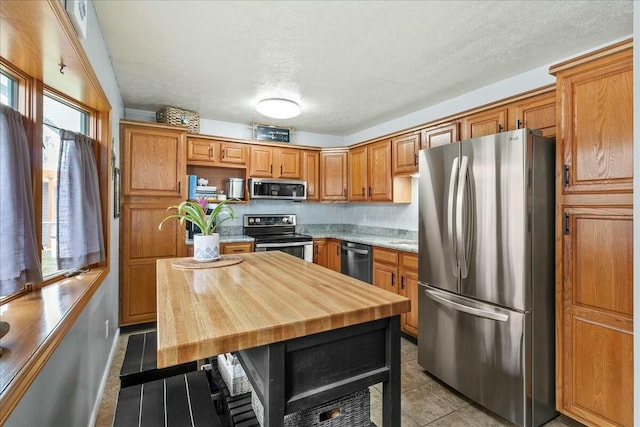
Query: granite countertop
x=397 y=243
x=234 y=238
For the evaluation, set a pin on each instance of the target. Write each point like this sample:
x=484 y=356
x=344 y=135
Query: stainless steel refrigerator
x=486 y=272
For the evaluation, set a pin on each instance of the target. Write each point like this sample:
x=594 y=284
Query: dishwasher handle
x=358 y=251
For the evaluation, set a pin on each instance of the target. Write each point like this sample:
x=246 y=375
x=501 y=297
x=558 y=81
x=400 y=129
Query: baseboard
x=105 y=377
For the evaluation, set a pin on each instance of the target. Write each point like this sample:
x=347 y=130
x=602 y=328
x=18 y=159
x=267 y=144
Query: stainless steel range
x=278 y=233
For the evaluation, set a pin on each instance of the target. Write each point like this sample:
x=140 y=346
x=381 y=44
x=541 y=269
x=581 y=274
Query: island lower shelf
x=311 y=370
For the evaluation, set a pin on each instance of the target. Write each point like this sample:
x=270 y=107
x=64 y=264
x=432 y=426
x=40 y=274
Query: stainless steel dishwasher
x=356 y=260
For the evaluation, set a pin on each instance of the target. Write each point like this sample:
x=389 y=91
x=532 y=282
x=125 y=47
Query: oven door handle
x=282 y=245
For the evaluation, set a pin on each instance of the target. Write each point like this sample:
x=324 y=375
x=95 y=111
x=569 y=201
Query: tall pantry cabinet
x=153 y=175
x=594 y=244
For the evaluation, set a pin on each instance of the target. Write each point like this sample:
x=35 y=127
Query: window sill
x=39 y=321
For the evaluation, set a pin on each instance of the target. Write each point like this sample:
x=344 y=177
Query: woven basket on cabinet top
x=178 y=117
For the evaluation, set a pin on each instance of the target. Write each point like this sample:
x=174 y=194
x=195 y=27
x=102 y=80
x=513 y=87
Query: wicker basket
x=348 y=411
x=233 y=374
x=178 y=117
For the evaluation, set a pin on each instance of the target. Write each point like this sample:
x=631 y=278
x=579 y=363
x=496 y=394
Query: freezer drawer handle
x=358 y=251
x=464 y=308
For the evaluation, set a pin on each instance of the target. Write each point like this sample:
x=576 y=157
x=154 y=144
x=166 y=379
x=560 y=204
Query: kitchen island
x=305 y=334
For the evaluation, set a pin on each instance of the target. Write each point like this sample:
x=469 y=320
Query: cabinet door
x=138 y=293
x=596 y=125
x=379 y=172
x=287 y=162
x=358 y=185
x=538 y=112
x=409 y=288
x=385 y=276
x=200 y=150
x=485 y=123
x=311 y=173
x=333 y=175
x=596 y=352
x=440 y=135
x=261 y=162
x=333 y=255
x=405 y=153
x=236 y=247
x=232 y=153
x=153 y=161
x=320 y=252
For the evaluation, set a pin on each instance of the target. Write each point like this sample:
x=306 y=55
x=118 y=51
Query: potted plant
x=206 y=246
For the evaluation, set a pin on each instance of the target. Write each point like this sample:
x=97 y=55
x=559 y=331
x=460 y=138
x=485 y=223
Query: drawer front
x=409 y=261
x=388 y=256
x=235 y=248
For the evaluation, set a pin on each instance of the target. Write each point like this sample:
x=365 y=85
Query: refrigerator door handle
x=463 y=214
x=453 y=180
x=465 y=308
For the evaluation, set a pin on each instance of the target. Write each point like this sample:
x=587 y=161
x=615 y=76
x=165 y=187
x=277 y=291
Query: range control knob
x=257 y=220
x=250 y=220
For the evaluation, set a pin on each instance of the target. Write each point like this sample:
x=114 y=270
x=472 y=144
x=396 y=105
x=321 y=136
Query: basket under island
x=304 y=334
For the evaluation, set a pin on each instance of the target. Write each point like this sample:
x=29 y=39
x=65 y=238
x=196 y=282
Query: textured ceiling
x=350 y=64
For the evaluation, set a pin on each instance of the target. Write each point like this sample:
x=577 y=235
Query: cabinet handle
x=362 y=191
x=315 y=250
x=179 y=187
x=565 y=175
x=224 y=152
x=344 y=192
x=500 y=128
x=402 y=282
x=565 y=223
x=280 y=169
x=270 y=168
x=369 y=191
x=337 y=250
x=393 y=279
x=211 y=152
x=518 y=124
x=415 y=160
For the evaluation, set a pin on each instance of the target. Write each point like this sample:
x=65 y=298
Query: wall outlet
x=106 y=329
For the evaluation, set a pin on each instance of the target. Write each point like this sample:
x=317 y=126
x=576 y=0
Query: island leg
x=391 y=410
x=274 y=391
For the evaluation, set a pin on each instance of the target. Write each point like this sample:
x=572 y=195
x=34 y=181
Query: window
x=57 y=115
x=8 y=91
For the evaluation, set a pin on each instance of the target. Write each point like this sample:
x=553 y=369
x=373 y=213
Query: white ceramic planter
x=206 y=248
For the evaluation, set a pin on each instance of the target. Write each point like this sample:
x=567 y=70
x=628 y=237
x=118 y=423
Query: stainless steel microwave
x=283 y=189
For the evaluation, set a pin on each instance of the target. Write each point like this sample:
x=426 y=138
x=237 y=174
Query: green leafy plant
x=194 y=212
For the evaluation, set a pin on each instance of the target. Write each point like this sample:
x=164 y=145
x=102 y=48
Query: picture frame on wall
x=77 y=11
x=116 y=192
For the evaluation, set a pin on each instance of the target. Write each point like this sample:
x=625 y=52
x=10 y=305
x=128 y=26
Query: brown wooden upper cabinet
x=405 y=153
x=441 y=134
x=333 y=175
x=597 y=135
x=538 y=112
x=211 y=152
x=370 y=172
x=485 y=122
x=311 y=173
x=153 y=161
x=274 y=162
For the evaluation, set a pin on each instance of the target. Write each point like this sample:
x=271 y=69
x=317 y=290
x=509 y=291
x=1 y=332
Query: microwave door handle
x=465 y=308
x=453 y=179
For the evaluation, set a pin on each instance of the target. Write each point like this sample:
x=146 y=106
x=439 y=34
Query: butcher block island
x=304 y=333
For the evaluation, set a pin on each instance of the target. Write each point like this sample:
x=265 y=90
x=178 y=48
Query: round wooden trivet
x=223 y=261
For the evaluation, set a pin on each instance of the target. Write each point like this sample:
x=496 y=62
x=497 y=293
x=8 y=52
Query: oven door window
x=296 y=251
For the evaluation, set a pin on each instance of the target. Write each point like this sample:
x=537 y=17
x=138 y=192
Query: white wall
x=66 y=391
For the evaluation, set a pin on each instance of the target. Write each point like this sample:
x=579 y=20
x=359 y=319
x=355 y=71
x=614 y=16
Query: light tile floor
x=425 y=401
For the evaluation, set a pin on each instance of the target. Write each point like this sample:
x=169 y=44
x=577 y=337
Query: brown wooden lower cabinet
x=333 y=255
x=397 y=272
x=320 y=252
x=595 y=353
x=229 y=248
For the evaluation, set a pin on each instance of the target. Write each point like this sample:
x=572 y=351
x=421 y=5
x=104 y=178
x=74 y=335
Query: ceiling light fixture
x=278 y=108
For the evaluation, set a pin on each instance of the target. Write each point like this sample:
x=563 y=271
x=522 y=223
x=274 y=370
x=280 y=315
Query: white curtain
x=80 y=238
x=19 y=250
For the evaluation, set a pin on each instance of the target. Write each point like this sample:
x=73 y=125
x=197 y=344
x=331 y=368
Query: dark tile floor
x=425 y=402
